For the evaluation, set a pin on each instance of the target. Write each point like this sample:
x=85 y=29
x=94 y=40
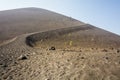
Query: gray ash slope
x=28 y=20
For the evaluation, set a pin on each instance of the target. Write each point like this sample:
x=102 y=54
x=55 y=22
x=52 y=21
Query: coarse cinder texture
x=37 y=44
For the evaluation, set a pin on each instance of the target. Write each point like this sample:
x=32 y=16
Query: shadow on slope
x=32 y=39
x=79 y=36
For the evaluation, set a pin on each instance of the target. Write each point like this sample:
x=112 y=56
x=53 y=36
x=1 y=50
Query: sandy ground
x=63 y=61
x=83 y=64
x=68 y=61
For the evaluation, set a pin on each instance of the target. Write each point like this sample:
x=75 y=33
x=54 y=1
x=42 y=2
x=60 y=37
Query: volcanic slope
x=38 y=44
x=28 y=20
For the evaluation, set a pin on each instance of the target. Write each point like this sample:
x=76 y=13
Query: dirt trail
x=33 y=38
x=17 y=46
x=8 y=41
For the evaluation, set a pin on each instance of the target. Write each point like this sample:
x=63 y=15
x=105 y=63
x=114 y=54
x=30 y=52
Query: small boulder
x=118 y=51
x=106 y=58
x=5 y=65
x=22 y=57
x=52 y=48
x=80 y=50
x=82 y=57
x=112 y=48
x=105 y=50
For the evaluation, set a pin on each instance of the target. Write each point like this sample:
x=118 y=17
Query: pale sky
x=101 y=13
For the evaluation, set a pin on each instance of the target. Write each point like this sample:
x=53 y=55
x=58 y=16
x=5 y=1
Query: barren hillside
x=37 y=44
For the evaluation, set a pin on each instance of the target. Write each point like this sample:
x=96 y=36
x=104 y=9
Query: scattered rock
x=68 y=60
x=118 y=51
x=47 y=79
x=47 y=53
x=104 y=50
x=2 y=73
x=15 y=63
x=0 y=63
x=119 y=62
x=5 y=65
x=52 y=48
x=106 y=58
x=80 y=50
x=23 y=51
x=112 y=48
x=118 y=56
x=93 y=65
x=92 y=48
x=22 y=57
x=82 y=57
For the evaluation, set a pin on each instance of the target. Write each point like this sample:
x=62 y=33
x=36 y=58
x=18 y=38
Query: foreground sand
x=81 y=64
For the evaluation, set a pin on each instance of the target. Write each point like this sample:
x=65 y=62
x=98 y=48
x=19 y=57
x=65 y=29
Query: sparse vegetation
x=71 y=43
